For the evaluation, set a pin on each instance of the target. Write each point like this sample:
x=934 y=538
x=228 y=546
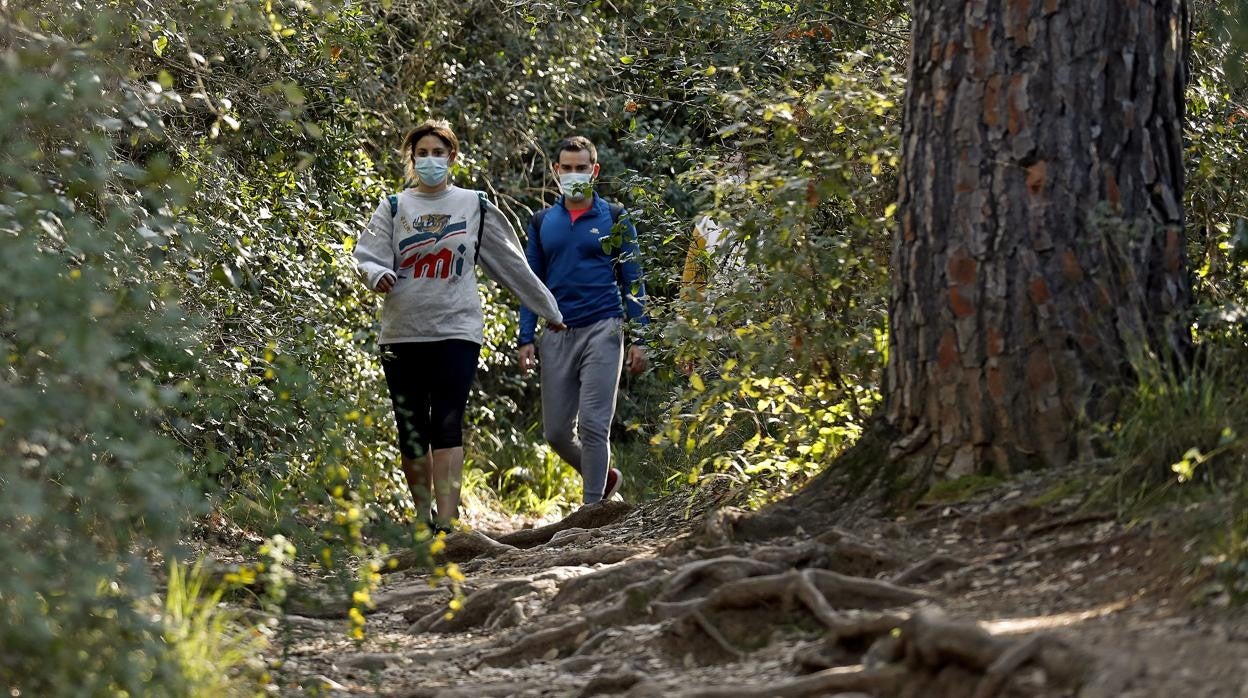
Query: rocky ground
x=1012 y=592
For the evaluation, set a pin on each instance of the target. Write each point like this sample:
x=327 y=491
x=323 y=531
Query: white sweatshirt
x=429 y=246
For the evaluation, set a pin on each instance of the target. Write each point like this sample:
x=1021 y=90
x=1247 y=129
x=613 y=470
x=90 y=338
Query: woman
x=421 y=251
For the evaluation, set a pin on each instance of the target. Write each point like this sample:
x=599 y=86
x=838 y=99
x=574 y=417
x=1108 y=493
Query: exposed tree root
x=544 y=644
x=691 y=578
x=844 y=682
x=601 y=584
x=930 y=640
x=924 y=655
x=412 y=593
x=924 y=570
x=587 y=517
x=607 y=684
x=812 y=587
x=693 y=593
x=1077 y=520
x=695 y=614
x=603 y=554
x=733 y=525
x=481 y=607
x=504 y=689
x=630 y=605
x=568 y=536
x=461 y=546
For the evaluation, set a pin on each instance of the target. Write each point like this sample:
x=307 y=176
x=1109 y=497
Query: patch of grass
x=1072 y=487
x=526 y=477
x=1182 y=438
x=647 y=472
x=1180 y=428
x=959 y=489
x=218 y=654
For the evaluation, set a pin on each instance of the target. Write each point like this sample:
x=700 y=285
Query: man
x=585 y=250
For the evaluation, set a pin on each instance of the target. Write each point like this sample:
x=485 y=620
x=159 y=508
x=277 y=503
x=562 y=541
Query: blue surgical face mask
x=576 y=186
x=432 y=170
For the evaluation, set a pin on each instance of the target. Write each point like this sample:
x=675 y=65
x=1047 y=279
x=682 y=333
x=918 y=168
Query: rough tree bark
x=1040 y=246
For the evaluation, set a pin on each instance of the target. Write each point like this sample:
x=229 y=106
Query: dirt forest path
x=999 y=595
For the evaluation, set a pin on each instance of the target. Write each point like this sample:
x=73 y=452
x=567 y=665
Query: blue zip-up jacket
x=569 y=258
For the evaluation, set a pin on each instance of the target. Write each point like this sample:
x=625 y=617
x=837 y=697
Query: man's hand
x=556 y=326
x=526 y=357
x=636 y=361
x=386 y=282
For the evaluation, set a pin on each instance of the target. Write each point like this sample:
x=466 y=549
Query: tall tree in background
x=1040 y=249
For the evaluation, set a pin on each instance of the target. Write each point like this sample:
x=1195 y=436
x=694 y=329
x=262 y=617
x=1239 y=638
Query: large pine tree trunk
x=1040 y=246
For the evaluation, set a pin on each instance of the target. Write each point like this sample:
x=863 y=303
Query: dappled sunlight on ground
x=1013 y=626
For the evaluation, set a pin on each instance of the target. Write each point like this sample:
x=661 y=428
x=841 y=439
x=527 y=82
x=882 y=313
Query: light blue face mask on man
x=432 y=170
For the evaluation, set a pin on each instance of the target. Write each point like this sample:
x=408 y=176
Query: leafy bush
x=788 y=351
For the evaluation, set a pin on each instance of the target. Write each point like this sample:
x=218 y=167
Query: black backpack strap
x=480 y=225
x=394 y=205
x=536 y=224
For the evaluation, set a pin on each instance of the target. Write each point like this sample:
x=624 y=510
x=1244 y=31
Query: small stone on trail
x=374 y=661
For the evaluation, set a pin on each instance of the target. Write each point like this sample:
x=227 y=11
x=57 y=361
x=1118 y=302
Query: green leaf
x=752 y=444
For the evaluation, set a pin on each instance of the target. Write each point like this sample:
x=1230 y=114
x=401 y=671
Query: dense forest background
x=187 y=347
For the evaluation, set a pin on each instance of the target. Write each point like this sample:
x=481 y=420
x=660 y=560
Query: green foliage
x=787 y=346
x=178 y=314
x=87 y=478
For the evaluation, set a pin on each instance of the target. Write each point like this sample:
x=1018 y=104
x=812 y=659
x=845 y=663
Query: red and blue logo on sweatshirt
x=424 y=253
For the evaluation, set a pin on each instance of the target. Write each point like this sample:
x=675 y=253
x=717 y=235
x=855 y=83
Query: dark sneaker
x=614 y=479
x=434 y=527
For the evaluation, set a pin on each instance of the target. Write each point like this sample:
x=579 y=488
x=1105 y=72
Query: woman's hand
x=386 y=282
x=556 y=326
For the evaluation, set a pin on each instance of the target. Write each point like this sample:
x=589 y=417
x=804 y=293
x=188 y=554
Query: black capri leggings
x=429 y=384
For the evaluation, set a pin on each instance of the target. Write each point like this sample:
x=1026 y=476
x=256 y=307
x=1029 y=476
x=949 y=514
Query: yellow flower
x=452 y=571
x=438 y=545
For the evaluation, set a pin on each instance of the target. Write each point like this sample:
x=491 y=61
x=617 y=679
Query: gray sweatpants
x=580 y=376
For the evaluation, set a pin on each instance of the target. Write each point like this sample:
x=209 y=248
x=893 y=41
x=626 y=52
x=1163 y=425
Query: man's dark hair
x=576 y=144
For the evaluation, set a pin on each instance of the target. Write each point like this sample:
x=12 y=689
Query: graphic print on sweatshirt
x=425 y=252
